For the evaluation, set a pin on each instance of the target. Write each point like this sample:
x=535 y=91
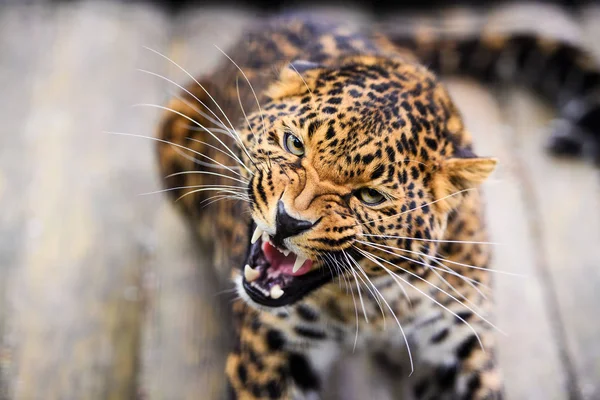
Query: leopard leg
x=270 y=363
x=453 y=363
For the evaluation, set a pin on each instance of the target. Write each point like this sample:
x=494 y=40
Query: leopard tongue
x=288 y=265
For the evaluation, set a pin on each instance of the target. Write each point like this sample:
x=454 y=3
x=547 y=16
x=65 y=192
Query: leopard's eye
x=292 y=144
x=370 y=196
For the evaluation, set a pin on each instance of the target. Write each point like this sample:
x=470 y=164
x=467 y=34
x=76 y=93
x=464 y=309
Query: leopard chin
x=274 y=276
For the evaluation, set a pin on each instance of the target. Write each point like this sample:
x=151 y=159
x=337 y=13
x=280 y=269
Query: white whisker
x=430 y=284
x=251 y=88
x=392 y=274
x=207 y=189
x=444 y=259
x=433 y=269
x=216 y=198
x=216 y=121
x=305 y=84
x=245 y=182
x=357 y=286
x=224 y=130
x=176 y=145
x=471 y=282
x=195 y=80
x=215 y=187
x=375 y=294
x=412 y=369
x=427 y=240
x=235 y=157
x=203 y=163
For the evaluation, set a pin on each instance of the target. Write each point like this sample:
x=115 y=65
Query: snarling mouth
x=275 y=276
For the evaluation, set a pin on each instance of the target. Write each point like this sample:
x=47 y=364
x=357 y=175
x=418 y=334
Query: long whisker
x=235 y=157
x=216 y=121
x=251 y=88
x=471 y=282
x=245 y=182
x=444 y=259
x=427 y=240
x=430 y=284
x=357 y=286
x=215 y=187
x=233 y=134
x=340 y=270
x=399 y=325
x=433 y=269
x=305 y=84
x=356 y=318
x=237 y=88
x=211 y=146
x=203 y=163
x=204 y=190
x=214 y=129
x=215 y=199
x=176 y=145
x=377 y=293
x=195 y=80
x=368 y=255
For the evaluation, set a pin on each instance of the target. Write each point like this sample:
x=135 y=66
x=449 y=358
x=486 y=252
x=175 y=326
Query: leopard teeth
x=257 y=233
x=250 y=273
x=298 y=263
x=286 y=252
x=276 y=292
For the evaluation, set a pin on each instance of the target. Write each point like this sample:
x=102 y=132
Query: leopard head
x=358 y=159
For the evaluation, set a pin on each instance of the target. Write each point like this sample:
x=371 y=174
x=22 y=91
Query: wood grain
x=521 y=306
x=76 y=294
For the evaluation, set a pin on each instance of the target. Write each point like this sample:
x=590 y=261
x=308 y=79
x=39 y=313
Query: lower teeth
x=276 y=292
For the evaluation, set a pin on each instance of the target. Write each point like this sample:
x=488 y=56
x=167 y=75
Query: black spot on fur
x=309 y=333
x=302 y=373
x=273 y=389
x=231 y=395
x=378 y=172
x=420 y=389
x=330 y=133
x=466 y=347
x=441 y=335
x=242 y=373
x=275 y=340
x=307 y=313
x=446 y=376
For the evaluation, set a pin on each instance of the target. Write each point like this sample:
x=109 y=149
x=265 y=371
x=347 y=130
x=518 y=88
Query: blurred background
x=103 y=295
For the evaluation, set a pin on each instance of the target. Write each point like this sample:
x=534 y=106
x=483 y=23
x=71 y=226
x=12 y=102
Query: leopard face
x=363 y=159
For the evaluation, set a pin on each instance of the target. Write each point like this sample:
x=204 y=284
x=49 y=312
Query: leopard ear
x=460 y=174
x=297 y=77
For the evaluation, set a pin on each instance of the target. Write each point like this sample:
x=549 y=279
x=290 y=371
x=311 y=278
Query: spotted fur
x=412 y=270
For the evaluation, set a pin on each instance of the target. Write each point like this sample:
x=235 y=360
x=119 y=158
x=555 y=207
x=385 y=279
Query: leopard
x=327 y=173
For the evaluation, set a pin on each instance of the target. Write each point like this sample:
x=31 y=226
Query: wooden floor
x=102 y=293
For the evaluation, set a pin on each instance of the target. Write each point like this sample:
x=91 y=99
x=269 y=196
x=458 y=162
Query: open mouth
x=275 y=276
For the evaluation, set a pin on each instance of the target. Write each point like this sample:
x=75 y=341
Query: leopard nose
x=287 y=226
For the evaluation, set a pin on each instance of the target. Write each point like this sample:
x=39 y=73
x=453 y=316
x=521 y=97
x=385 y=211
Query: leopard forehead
x=351 y=116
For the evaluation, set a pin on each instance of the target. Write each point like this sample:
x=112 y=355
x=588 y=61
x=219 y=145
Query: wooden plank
x=528 y=354
x=19 y=65
x=78 y=291
x=566 y=207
